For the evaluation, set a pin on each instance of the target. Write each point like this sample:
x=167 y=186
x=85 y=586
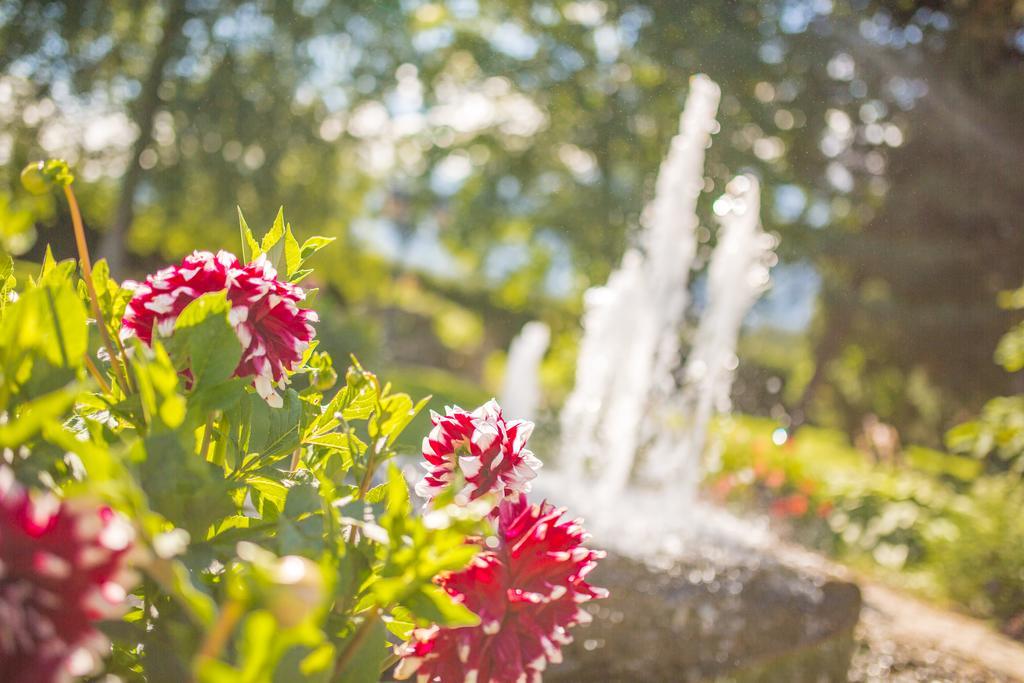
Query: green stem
x=96 y=374
x=364 y=485
x=86 y=264
x=389 y=662
x=371 y=465
x=361 y=634
x=217 y=636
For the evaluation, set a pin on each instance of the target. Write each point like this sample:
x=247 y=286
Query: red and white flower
x=527 y=592
x=62 y=568
x=480 y=450
x=273 y=330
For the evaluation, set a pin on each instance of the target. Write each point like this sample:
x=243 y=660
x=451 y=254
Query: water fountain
x=520 y=392
x=696 y=593
x=737 y=275
x=637 y=418
x=632 y=325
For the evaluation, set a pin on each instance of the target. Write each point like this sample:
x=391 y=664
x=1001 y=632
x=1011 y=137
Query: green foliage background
x=350 y=114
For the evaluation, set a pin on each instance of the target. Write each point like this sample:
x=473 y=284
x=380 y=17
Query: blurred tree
x=916 y=279
x=505 y=149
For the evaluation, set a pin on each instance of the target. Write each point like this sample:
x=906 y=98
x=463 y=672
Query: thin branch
x=361 y=634
x=96 y=375
x=86 y=264
x=217 y=636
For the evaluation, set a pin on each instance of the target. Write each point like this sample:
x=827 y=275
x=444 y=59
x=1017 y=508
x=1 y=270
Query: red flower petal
x=62 y=567
x=273 y=330
x=481 y=448
x=527 y=593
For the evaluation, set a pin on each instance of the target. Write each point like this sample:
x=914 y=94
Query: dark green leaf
x=365 y=664
x=212 y=348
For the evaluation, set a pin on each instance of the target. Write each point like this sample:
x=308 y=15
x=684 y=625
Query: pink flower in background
x=480 y=450
x=273 y=330
x=62 y=567
x=527 y=592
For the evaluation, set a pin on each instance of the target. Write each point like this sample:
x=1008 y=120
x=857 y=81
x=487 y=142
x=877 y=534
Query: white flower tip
x=484 y=436
x=238 y=315
x=470 y=465
x=490 y=410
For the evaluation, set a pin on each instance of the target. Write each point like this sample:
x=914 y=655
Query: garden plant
x=189 y=492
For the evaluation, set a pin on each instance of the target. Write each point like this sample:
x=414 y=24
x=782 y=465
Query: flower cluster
x=529 y=580
x=479 y=450
x=62 y=567
x=273 y=330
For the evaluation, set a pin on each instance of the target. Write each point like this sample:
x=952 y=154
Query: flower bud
x=34 y=180
x=324 y=378
x=40 y=177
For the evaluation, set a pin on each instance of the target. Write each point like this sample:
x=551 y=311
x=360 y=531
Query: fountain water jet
x=696 y=593
x=629 y=420
x=520 y=393
x=631 y=325
x=737 y=275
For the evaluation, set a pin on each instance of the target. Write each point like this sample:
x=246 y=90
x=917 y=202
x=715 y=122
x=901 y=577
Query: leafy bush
x=852 y=509
x=957 y=521
x=983 y=563
x=997 y=435
x=195 y=483
x=933 y=522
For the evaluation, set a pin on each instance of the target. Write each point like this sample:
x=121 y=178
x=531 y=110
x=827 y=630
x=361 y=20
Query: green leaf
x=1010 y=351
x=212 y=348
x=175 y=578
x=300 y=275
x=49 y=263
x=157 y=381
x=399 y=412
x=190 y=492
x=401 y=623
x=292 y=260
x=282 y=433
x=356 y=401
x=377 y=494
x=273 y=242
x=223 y=396
x=272 y=491
x=302 y=537
x=342 y=444
x=304 y=663
x=112 y=298
x=434 y=604
x=256 y=645
x=7 y=280
x=313 y=245
x=398 y=501
x=939 y=463
x=365 y=665
x=63 y=325
x=32 y=417
x=302 y=499
x=250 y=247
x=49 y=320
